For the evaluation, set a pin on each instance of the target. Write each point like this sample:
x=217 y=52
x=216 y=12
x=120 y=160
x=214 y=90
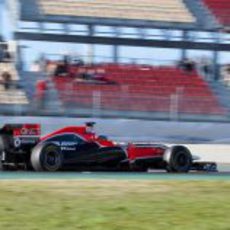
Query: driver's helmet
x=90 y=127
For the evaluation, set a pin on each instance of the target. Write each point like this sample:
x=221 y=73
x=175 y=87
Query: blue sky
x=148 y=55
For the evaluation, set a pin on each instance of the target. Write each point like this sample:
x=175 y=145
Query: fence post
x=124 y=94
x=174 y=107
x=96 y=109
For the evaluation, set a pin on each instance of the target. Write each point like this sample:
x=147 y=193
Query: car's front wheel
x=47 y=157
x=180 y=160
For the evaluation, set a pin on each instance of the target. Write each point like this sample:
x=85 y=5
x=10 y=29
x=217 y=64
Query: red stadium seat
x=220 y=9
x=146 y=89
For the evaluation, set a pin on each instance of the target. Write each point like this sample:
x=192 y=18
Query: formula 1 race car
x=79 y=148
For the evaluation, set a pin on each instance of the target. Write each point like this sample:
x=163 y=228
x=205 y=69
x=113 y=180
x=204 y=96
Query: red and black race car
x=79 y=148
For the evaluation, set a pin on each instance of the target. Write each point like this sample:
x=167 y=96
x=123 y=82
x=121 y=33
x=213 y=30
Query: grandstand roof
x=173 y=14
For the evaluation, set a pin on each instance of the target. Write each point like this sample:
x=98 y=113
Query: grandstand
x=220 y=9
x=143 y=89
x=160 y=10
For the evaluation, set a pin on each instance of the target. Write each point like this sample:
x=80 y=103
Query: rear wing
x=20 y=130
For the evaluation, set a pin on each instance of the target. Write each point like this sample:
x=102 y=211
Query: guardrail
x=121 y=105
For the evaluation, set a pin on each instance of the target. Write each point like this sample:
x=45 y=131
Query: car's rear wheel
x=1 y=163
x=180 y=160
x=47 y=157
x=2 y=168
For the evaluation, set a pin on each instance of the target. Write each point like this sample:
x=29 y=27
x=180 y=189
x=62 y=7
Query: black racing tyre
x=46 y=157
x=1 y=165
x=1 y=152
x=180 y=160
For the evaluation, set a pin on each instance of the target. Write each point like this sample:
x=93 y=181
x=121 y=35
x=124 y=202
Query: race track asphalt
x=112 y=176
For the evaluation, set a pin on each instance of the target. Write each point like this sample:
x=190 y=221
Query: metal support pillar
x=115 y=54
x=21 y=49
x=167 y=34
x=216 y=69
x=142 y=33
x=41 y=26
x=90 y=47
x=66 y=28
x=184 y=52
x=115 y=59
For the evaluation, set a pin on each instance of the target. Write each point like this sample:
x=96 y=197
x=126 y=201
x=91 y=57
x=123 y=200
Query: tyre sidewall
x=40 y=154
x=1 y=153
x=174 y=165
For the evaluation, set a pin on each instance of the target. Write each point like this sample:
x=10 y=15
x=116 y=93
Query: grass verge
x=114 y=205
